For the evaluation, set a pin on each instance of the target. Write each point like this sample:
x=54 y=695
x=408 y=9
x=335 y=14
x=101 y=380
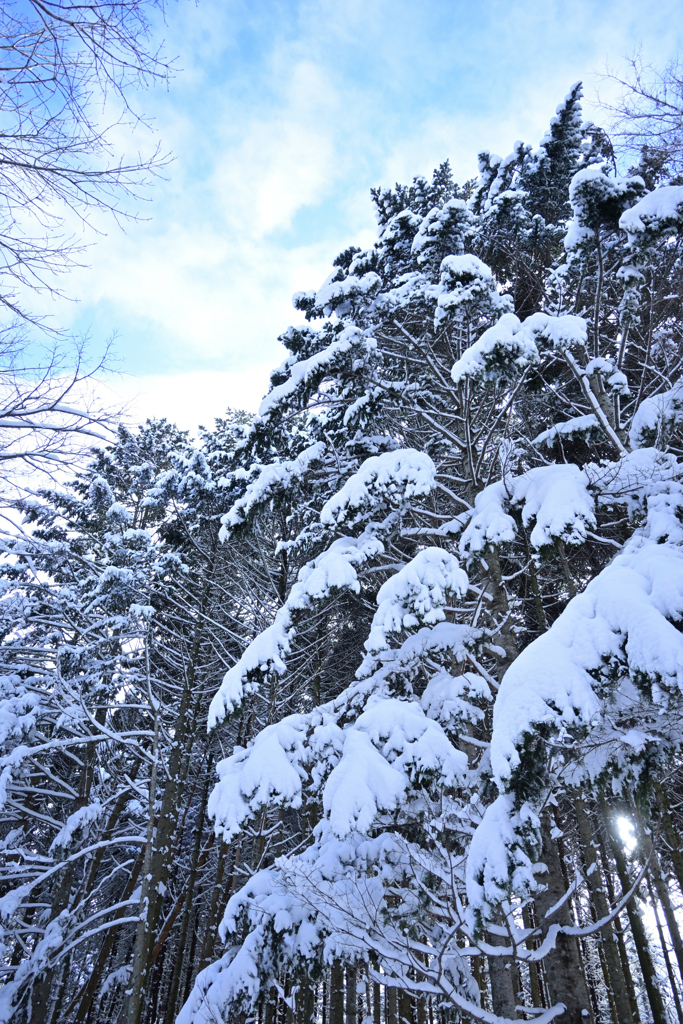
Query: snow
x=497 y=860
x=398 y=475
x=119 y=977
x=452 y=213
x=657 y=211
x=337 y=295
x=402 y=224
x=364 y=769
x=464 y=269
x=333 y=569
x=272 y=770
x=279 y=926
x=556 y=332
x=448 y=699
x=622 y=623
x=391 y=744
x=617 y=383
x=455 y=640
x=19 y=709
x=591 y=192
x=78 y=821
x=510 y=345
x=416 y=595
x=220 y=985
x=467 y=284
x=272 y=479
x=302 y=372
x=51 y=939
x=502 y=348
x=556 y=497
x=576 y=426
x=489 y=523
x=118 y=514
x=655 y=416
x=645 y=480
x=268 y=772
x=100 y=493
x=362 y=784
x=409 y=287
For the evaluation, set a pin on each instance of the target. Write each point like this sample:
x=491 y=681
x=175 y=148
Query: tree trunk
x=667 y=959
x=502 y=987
x=667 y=906
x=502 y=993
x=391 y=1012
x=662 y=888
x=351 y=996
x=215 y=908
x=160 y=845
x=534 y=979
x=376 y=998
x=637 y=928
x=404 y=1007
x=618 y=992
x=565 y=976
x=337 y=993
x=305 y=1005
x=42 y=986
x=619 y=933
x=671 y=832
x=182 y=937
x=189 y=974
x=87 y=993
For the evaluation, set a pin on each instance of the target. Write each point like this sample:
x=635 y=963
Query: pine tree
x=428 y=602
x=533 y=423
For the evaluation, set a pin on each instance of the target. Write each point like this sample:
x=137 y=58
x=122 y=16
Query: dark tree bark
x=566 y=979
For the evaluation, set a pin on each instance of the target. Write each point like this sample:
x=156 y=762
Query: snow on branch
x=557 y=498
x=308 y=372
x=598 y=199
x=389 y=748
x=501 y=857
x=416 y=595
x=443 y=698
x=271 y=771
x=618 y=637
x=510 y=346
x=334 y=569
x=338 y=293
x=656 y=416
x=270 y=481
x=654 y=214
x=467 y=286
x=397 y=476
x=586 y=427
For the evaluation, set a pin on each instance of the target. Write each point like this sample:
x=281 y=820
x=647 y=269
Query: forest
x=366 y=709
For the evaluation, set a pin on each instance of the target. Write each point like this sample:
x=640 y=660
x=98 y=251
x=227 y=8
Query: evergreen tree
x=531 y=422
x=428 y=602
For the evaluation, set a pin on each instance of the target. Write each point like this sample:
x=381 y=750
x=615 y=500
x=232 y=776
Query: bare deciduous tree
x=649 y=111
x=67 y=70
x=63 y=68
x=51 y=411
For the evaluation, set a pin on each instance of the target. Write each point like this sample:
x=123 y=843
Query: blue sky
x=281 y=118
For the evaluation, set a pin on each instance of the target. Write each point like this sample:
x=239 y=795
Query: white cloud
x=190 y=399
x=284 y=117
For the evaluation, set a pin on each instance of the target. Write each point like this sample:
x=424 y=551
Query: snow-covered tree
x=488 y=411
x=428 y=602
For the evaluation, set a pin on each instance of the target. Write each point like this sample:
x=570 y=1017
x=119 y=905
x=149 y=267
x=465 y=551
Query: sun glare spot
x=626 y=833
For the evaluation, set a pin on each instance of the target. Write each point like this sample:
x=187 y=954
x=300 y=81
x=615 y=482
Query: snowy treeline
x=369 y=708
